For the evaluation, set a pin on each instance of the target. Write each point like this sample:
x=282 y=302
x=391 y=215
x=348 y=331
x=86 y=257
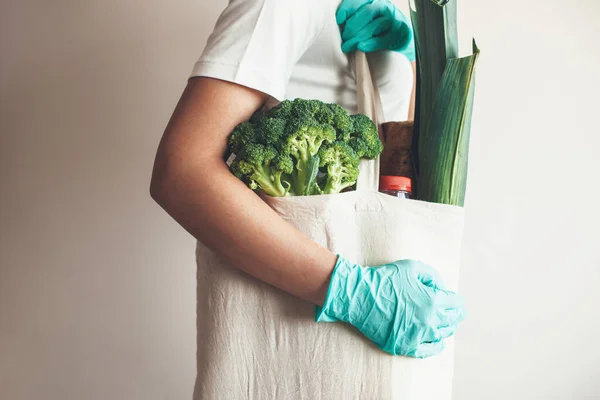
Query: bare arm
x=193 y=184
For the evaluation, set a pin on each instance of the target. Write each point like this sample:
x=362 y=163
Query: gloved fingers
x=430 y=277
x=365 y=35
x=383 y=28
x=401 y=37
x=357 y=22
x=446 y=332
x=373 y=44
x=377 y=10
x=451 y=316
x=358 y=35
x=326 y=318
x=428 y=349
x=349 y=46
x=432 y=335
x=447 y=299
x=348 y=8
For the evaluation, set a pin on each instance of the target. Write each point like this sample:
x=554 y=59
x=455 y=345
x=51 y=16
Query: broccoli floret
x=242 y=136
x=341 y=122
x=284 y=163
x=282 y=110
x=341 y=163
x=262 y=167
x=306 y=109
x=334 y=115
x=364 y=138
x=271 y=130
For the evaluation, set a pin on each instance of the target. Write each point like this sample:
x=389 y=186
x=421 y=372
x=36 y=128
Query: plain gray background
x=97 y=284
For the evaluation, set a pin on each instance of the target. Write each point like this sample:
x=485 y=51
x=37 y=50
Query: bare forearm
x=193 y=184
x=231 y=220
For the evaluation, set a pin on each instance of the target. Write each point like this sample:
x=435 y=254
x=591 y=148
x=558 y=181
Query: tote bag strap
x=368 y=103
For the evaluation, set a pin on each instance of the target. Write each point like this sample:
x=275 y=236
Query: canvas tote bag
x=257 y=342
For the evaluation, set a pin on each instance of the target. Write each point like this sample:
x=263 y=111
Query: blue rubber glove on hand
x=372 y=25
x=399 y=306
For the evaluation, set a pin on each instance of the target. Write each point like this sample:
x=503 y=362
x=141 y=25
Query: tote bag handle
x=368 y=103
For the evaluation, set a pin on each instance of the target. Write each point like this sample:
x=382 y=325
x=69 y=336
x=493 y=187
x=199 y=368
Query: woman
x=260 y=52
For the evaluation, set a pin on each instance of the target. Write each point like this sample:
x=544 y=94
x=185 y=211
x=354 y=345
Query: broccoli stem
x=302 y=156
x=336 y=187
x=270 y=184
x=314 y=144
x=335 y=179
x=299 y=176
x=305 y=153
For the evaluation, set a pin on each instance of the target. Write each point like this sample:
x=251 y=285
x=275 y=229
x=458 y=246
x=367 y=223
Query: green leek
x=444 y=104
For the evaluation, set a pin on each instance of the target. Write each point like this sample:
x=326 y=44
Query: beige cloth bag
x=257 y=342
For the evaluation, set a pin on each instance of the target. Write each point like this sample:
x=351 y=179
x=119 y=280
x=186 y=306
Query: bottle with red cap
x=397 y=186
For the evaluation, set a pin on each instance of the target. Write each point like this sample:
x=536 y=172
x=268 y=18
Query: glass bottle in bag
x=397 y=186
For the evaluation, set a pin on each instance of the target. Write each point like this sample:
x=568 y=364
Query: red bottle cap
x=388 y=182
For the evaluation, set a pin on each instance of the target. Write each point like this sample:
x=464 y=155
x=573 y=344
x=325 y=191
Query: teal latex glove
x=372 y=25
x=401 y=307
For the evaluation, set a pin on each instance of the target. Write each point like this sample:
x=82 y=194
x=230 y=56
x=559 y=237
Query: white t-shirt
x=292 y=48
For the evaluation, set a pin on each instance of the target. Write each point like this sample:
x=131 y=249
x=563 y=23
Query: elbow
x=156 y=192
x=159 y=188
x=174 y=183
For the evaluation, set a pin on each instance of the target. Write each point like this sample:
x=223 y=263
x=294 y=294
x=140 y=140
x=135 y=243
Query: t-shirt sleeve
x=256 y=43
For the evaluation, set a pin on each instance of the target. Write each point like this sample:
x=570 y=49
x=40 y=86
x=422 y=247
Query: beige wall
x=97 y=284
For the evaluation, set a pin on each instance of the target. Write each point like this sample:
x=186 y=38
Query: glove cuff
x=332 y=309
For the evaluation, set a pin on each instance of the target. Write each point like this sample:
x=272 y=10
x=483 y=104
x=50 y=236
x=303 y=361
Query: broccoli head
x=302 y=147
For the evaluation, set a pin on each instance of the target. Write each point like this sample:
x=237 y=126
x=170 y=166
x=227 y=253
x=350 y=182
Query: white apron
x=257 y=342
